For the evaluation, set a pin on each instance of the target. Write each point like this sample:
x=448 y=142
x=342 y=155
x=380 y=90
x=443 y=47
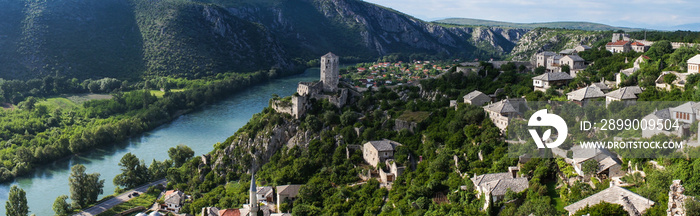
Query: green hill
x=134 y=38
x=589 y=26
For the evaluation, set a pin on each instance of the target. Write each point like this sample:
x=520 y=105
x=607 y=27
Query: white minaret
x=253 y=196
x=329 y=72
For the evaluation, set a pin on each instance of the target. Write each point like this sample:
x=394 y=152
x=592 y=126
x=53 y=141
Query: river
x=199 y=130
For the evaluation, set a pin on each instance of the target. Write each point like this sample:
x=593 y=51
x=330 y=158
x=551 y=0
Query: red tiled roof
x=617 y=43
x=637 y=44
x=646 y=57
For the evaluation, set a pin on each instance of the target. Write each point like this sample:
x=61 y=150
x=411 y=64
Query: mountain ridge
x=590 y=26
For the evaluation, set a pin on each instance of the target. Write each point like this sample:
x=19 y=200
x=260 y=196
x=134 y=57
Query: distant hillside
x=135 y=38
x=562 y=25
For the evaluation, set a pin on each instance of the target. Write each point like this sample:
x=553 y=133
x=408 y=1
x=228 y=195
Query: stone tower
x=253 y=196
x=329 y=72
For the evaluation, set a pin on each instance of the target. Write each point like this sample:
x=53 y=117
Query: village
x=562 y=67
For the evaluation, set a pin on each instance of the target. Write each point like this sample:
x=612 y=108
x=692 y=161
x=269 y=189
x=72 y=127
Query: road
x=119 y=199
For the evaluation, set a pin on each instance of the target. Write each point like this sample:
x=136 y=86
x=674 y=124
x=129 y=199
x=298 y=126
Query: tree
x=669 y=78
x=180 y=154
x=158 y=170
x=589 y=167
x=61 y=207
x=134 y=172
x=16 y=204
x=84 y=188
x=659 y=49
x=565 y=68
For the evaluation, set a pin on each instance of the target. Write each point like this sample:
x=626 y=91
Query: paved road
x=119 y=199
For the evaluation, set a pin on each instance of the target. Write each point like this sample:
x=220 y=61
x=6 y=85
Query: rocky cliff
x=541 y=39
x=364 y=30
x=254 y=144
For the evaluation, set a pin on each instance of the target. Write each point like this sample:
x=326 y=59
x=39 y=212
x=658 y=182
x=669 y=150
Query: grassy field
x=145 y=200
x=160 y=94
x=67 y=102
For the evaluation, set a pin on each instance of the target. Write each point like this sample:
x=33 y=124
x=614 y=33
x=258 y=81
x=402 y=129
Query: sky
x=653 y=14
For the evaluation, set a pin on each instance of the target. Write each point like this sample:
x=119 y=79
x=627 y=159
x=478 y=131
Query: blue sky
x=627 y=13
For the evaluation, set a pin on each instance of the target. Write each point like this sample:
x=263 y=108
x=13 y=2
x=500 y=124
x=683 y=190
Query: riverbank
x=199 y=129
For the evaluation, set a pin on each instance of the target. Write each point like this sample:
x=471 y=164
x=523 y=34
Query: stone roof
x=329 y=55
x=503 y=106
x=575 y=58
x=514 y=184
x=210 y=211
x=547 y=53
x=625 y=93
x=588 y=92
x=601 y=85
x=264 y=190
x=567 y=51
x=474 y=94
x=661 y=114
x=489 y=177
x=584 y=46
x=614 y=195
x=686 y=108
x=694 y=60
x=606 y=164
x=384 y=145
x=173 y=197
x=289 y=190
x=553 y=76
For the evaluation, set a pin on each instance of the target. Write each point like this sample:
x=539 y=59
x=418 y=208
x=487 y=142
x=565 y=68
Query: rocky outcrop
x=249 y=151
x=676 y=200
x=539 y=40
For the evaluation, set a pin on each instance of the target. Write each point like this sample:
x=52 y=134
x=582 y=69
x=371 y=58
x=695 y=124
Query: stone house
x=627 y=94
x=608 y=163
x=394 y=171
x=694 y=64
x=502 y=111
x=638 y=47
x=656 y=116
x=375 y=152
x=575 y=62
x=173 y=200
x=581 y=48
x=631 y=202
x=541 y=58
x=618 y=46
x=495 y=185
x=287 y=193
x=265 y=193
x=554 y=63
x=548 y=80
x=584 y=95
x=476 y=98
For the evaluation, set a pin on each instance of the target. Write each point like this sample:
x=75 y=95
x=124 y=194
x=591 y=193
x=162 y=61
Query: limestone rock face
x=676 y=199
